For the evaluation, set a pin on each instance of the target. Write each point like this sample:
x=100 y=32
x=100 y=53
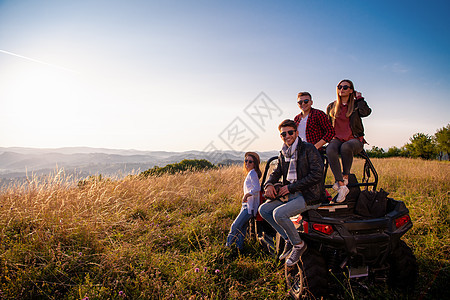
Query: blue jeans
x=347 y=150
x=278 y=214
x=239 y=228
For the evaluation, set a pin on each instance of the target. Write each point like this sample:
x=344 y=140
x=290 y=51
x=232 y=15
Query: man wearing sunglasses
x=313 y=125
x=300 y=167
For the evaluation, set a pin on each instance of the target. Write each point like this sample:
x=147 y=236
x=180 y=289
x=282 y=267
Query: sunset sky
x=183 y=75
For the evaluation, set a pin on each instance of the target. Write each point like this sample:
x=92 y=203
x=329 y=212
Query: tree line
x=420 y=145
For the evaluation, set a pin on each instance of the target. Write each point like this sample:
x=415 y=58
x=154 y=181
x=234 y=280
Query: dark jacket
x=309 y=174
x=360 y=110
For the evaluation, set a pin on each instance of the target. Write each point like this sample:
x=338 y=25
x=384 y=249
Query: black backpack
x=372 y=203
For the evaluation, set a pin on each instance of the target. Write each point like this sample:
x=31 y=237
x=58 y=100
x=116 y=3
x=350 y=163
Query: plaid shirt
x=318 y=126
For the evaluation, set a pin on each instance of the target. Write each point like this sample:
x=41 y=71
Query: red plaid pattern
x=318 y=126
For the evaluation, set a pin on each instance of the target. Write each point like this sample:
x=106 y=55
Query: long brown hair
x=337 y=104
x=255 y=165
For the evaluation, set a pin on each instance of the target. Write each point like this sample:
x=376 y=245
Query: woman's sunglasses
x=290 y=132
x=303 y=101
x=248 y=161
x=344 y=87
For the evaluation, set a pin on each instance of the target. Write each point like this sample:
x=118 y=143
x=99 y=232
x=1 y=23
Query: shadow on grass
x=434 y=278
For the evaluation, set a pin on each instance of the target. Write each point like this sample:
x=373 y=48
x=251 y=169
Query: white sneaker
x=342 y=193
x=336 y=184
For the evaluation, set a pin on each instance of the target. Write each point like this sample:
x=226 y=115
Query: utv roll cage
x=366 y=182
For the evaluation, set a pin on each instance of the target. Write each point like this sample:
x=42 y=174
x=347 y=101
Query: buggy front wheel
x=307 y=278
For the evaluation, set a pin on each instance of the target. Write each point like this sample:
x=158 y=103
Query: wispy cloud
x=397 y=68
x=38 y=61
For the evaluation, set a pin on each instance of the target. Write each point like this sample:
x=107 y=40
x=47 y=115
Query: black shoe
x=295 y=255
x=287 y=250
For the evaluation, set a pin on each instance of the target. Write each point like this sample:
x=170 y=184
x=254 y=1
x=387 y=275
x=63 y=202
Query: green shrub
x=184 y=165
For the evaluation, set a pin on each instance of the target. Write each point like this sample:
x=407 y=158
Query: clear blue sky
x=203 y=75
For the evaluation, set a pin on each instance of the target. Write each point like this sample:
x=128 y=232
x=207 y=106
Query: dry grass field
x=163 y=237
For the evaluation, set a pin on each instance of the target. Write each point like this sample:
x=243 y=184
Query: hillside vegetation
x=182 y=166
x=163 y=237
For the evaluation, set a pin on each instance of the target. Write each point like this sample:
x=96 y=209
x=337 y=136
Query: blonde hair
x=337 y=104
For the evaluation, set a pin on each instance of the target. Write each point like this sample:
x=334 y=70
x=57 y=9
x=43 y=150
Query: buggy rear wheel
x=307 y=278
x=403 y=271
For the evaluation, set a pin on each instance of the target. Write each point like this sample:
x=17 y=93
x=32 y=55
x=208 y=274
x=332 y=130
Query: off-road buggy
x=341 y=241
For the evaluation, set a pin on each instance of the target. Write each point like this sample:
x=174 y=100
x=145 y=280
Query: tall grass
x=163 y=237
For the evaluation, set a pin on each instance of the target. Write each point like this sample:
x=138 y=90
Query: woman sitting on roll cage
x=345 y=115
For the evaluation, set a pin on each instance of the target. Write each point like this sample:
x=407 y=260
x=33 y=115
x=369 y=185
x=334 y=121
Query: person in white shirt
x=250 y=201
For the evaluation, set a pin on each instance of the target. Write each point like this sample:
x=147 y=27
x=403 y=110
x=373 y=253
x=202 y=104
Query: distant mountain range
x=83 y=161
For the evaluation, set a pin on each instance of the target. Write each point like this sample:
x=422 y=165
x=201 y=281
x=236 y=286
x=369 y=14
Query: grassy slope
x=162 y=238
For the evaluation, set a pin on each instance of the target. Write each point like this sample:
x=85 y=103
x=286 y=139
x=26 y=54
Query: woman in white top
x=250 y=200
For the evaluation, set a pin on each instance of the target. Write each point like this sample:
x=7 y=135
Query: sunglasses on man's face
x=248 y=161
x=290 y=132
x=344 y=87
x=300 y=102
